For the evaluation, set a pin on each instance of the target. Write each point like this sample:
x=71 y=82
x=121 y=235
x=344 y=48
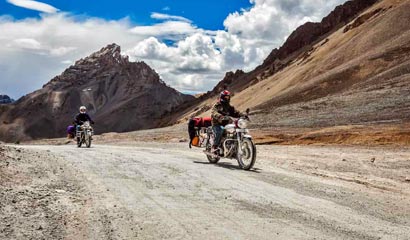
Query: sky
x=190 y=44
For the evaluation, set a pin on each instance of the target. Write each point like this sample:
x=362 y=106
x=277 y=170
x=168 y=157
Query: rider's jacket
x=220 y=110
x=81 y=118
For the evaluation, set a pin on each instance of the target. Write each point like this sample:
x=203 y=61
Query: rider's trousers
x=218 y=131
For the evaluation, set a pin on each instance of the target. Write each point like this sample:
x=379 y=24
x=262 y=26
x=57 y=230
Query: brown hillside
x=355 y=74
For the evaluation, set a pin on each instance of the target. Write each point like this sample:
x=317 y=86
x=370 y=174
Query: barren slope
x=356 y=76
x=352 y=77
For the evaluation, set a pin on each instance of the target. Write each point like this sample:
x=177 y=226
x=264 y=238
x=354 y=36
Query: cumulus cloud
x=152 y=49
x=274 y=19
x=186 y=66
x=34 y=5
x=187 y=57
x=198 y=54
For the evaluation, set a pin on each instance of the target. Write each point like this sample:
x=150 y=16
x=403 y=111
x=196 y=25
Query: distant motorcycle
x=84 y=134
x=236 y=143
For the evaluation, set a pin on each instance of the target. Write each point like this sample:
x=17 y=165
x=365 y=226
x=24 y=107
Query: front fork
x=239 y=137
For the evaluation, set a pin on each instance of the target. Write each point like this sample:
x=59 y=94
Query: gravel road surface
x=166 y=191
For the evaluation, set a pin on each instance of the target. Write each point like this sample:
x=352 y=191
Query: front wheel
x=88 y=140
x=248 y=157
x=80 y=141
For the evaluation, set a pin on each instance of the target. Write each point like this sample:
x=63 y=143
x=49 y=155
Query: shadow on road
x=229 y=166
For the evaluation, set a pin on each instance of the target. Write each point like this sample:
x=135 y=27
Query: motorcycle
x=84 y=134
x=236 y=143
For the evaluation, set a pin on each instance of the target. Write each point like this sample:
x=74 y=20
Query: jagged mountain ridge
x=298 y=41
x=120 y=95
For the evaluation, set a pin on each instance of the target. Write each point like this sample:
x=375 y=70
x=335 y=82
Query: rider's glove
x=225 y=120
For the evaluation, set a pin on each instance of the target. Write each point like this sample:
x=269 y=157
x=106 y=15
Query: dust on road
x=164 y=191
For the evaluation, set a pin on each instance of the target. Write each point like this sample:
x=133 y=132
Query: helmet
x=83 y=109
x=225 y=96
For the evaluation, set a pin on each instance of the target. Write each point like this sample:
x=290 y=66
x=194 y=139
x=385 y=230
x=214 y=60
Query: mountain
x=351 y=69
x=4 y=99
x=298 y=41
x=120 y=96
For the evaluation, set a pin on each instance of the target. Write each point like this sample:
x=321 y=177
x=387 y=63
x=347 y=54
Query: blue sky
x=191 y=44
x=208 y=14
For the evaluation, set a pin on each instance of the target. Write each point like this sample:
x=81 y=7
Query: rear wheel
x=248 y=157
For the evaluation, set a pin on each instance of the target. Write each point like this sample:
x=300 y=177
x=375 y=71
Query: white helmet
x=83 y=109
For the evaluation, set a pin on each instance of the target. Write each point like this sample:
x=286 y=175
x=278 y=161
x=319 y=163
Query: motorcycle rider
x=221 y=113
x=82 y=117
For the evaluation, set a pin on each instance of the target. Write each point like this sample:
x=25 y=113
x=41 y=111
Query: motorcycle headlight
x=242 y=123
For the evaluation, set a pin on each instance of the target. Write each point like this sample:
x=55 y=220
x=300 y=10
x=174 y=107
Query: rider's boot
x=216 y=150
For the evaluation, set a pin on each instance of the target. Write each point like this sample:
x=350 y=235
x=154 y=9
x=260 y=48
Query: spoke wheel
x=80 y=141
x=211 y=159
x=88 y=141
x=248 y=157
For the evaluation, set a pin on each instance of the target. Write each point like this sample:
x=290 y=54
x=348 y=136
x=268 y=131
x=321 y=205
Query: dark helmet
x=225 y=96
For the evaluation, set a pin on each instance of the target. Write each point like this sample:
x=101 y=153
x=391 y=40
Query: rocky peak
x=111 y=54
x=228 y=80
x=104 y=63
x=4 y=99
x=105 y=66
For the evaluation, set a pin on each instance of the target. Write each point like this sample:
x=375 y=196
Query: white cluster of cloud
x=32 y=51
x=274 y=19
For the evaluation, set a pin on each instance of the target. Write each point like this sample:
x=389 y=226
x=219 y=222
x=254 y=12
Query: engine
x=229 y=148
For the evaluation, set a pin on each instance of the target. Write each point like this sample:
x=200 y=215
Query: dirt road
x=165 y=191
